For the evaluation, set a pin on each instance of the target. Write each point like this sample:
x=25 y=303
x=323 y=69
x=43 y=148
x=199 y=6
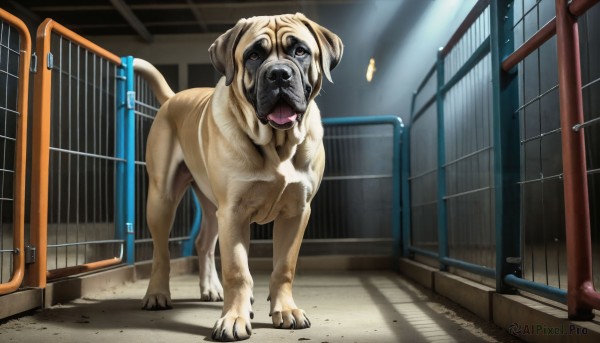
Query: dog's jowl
x=251 y=149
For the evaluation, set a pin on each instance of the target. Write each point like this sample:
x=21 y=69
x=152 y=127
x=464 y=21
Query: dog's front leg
x=234 y=239
x=287 y=237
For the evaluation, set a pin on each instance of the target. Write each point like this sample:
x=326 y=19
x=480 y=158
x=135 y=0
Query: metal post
x=506 y=147
x=188 y=246
x=441 y=150
x=396 y=122
x=130 y=157
x=581 y=297
x=406 y=221
x=120 y=194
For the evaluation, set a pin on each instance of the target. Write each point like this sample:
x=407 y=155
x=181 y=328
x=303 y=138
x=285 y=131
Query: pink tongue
x=282 y=114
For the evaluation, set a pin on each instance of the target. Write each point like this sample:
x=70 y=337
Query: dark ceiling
x=147 y=18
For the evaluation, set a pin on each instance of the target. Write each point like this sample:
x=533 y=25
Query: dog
x=251 y=149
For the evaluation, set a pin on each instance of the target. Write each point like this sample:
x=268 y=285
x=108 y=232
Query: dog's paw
x=211 y=292
x=290 y=319
x=156 y=302
x=232 y=328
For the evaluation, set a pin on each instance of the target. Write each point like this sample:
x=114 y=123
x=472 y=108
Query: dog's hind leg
x=160 y=214
x=168 y=179
x=210 y=286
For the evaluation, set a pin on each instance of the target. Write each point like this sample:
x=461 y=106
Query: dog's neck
x=277 y=145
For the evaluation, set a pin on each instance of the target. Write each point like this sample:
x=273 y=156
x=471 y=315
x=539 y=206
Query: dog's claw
x=290 y=319
x=229 y=329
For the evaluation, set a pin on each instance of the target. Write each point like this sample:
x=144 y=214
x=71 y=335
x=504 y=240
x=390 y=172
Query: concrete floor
x=343 y=307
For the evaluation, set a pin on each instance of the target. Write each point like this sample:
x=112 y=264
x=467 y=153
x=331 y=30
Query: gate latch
x=30 y=254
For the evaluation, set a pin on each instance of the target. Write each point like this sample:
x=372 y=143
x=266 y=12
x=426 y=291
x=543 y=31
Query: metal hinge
x=50 y=60
x=30 y=254
x=33 y=64
x=513 y=260
x=130 y=100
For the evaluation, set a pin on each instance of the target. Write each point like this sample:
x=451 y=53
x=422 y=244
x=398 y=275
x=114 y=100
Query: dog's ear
x=330 y=45
x=223 y=49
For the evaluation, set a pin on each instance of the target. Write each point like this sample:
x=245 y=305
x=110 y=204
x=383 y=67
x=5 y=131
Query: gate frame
x=20 y=155
x=38 y=273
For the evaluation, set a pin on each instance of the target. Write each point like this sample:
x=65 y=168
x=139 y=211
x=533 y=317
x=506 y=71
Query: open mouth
x=282 y=116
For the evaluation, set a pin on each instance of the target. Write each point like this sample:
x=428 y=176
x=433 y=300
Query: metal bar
x=442 y=220
x=171 y=239
x=405 y=183
x=188 y=248
x=130 y=165
x=469 y=267
x=549 y=292
x=417 y=115
x=461 y=194
x=424 y=252
x=582 y=297
x=63 y=245
x=591 y=122
x=475 y=58
x=425 y=173
x=469 y=155
x=142 y=114
x=505 y=127
x=87 y=154
x=540 y=136
x=423 y=83
x=579 y=7
x=396 y=122
x=576 y=8
x=18 y=214
x=535 y=99
x=477 y=10
x=144 y=105
x=84 y=268
x=542 y=179
x=336 y=137
x=534 y=42
x=121 y=177
x=357 y=177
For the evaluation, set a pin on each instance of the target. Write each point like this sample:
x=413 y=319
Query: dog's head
x=277 y=63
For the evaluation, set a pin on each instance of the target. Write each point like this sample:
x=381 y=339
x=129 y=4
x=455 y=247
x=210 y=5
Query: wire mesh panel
x=15 y=47
x=81 y=221
x=589 y=30
x=469 y=150
x=354 y=202
x=146 y=107
x=74 y=156
x=543 y=220
x=423 y=180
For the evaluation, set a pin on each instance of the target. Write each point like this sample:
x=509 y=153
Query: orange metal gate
x=15 y=52
x=74 y=156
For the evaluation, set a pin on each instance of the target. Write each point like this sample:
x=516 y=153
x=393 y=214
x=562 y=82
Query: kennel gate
x=15 y=52
x=512 y=114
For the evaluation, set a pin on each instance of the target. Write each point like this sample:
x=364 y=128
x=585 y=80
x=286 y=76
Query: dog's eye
x=300 y=51
x=253 y=56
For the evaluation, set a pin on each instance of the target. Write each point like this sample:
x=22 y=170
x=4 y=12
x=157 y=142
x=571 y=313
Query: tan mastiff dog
x=252 y=150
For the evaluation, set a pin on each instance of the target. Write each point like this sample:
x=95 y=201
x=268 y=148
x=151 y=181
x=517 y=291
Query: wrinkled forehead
x=276 y=32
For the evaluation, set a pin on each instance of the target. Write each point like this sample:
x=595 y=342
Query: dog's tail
x=157 y=81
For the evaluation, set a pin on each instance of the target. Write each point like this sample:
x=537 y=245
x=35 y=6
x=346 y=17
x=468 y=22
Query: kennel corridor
x=486 y=197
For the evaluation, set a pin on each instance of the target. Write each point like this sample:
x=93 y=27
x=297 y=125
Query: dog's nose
x=279 y=74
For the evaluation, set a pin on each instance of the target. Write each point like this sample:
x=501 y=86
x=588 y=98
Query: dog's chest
x=286 y=193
